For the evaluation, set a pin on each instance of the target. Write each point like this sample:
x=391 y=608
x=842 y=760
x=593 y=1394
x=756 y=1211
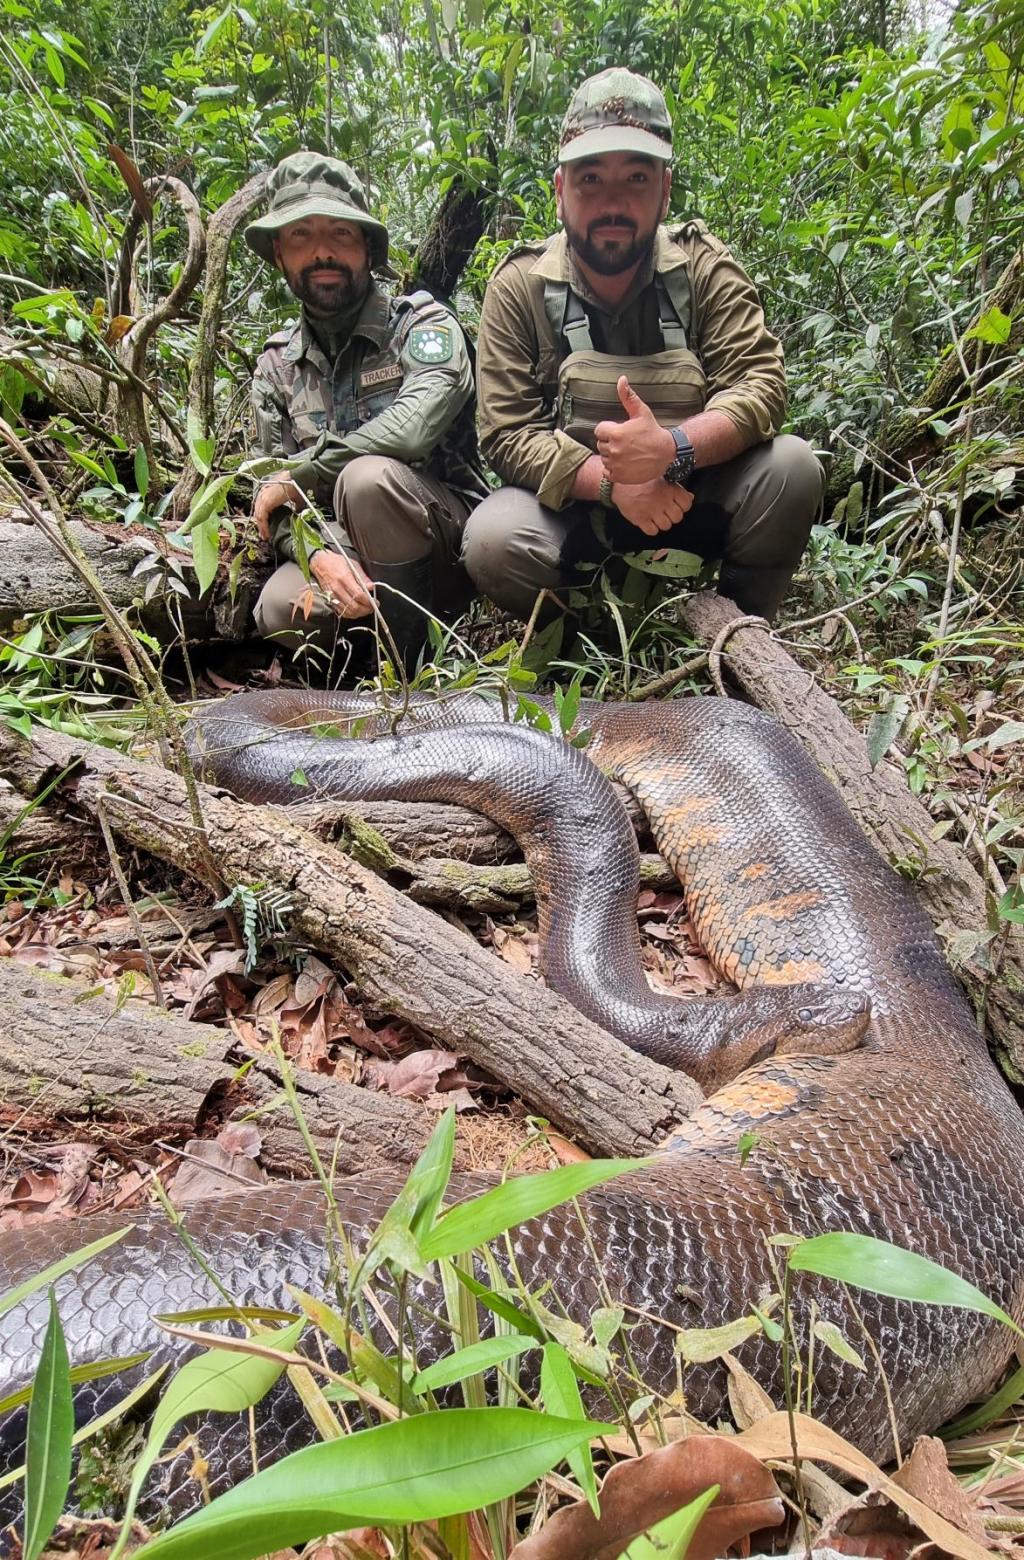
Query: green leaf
x=993 y=327
x=413 y=1470
x=958 y=132
x=218 y=1381
x=828 y=1334
x=206 y=553
x=561 y=1394
x=501 y=1305
x=672 y=563
x=698 y=1345
x=67 y=1264
x=671 y=1538
x=51 y=1424
x=412 y=1214
x=884 y=727
x=200 y=446
x=466 y=1362
x=208 y=503
x=95 y=1370
x=213 y=31
x=527 y=1197
x=141 y=471
x=1009 y=732
x=884 y=1269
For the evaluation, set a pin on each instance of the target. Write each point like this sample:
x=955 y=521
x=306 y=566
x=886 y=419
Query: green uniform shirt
x=400 y=386
x=518 y=355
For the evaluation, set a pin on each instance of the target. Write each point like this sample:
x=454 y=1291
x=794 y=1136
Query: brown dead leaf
x=272 y=996
x=513 y=950
x=220 y=1173
x=926 y=1475
x=221 y=961
x=637 y=1494
x=748 y=1400
x=771 y=1438
x=415 y=1077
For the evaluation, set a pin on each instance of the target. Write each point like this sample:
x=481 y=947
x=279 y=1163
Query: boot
x=406 y=621
x=757 y=592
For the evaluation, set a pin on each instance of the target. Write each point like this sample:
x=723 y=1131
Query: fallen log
x=72 y=1059
x=405 y=960
x=952 y=892
x=35 y=578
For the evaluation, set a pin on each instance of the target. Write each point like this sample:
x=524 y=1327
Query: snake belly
x=913 y=1138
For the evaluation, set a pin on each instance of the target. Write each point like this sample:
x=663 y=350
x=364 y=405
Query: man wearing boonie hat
x=375 y=394
x=628 y=365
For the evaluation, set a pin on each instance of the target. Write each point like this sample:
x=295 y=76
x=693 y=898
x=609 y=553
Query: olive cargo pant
x=389 y=516
x=754 y=512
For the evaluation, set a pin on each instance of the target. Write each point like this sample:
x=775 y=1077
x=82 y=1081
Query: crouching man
x=628 y=365
x=375 y=394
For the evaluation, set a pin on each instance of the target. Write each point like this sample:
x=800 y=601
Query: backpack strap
x=567 y=316
x=674 y=306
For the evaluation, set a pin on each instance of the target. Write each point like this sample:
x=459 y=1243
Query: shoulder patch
x=430 y=343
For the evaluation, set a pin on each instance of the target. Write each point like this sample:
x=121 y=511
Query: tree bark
x=890 y=815
x=71 y=1061
x=35 y=578
x=220 y=231
x=444 y=251
x=405 y=960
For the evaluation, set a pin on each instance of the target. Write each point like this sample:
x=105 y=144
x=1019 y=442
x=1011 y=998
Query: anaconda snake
x=913 y=1138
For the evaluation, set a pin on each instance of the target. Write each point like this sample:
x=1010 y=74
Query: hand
x=638 y=450
x=651 y=506
x=346 y=585
x=277 y=490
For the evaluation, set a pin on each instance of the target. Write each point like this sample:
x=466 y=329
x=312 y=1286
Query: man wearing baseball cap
x=628 y=365
x=375 y=395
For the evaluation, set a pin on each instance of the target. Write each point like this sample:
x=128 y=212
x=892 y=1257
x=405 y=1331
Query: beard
x=610 y=257
x=329 y=288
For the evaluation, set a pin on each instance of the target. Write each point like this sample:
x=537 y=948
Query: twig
x=668 y=680
x=129 y=904
x=715 y=653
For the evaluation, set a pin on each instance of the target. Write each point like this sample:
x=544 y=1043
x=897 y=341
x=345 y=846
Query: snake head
x=826 y=1019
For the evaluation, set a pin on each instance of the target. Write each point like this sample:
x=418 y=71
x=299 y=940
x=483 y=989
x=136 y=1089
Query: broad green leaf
x=958 y=130
x=466 y=1362
x=560 y=1392
x=51 y=1423
x=697 y=1345
x=671 y=1538
x=828 y=1334
x=213 y=31
x=200 y=446
x=884 y=727
x=883 y=1269
x=527 y=1197
x=208 y=502
x=670 y=562
x=501 y=1305
x=216 y=1381
x=206 y=553
x=413 y=1470
x=141 y=471
x=49 y=1275
x=993 y=327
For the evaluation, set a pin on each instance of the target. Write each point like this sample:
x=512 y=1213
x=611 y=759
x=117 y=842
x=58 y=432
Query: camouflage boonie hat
x=309 y=184
x=616 y=111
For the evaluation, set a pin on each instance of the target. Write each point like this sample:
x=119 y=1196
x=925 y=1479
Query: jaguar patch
x=430 y=343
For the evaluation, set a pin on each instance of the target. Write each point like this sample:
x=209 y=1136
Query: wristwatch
x=686 y=458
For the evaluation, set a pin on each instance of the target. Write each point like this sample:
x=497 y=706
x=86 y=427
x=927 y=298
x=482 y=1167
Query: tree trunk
x=893 y=819
x=405 y=960
x=70 y=1060
x=35 y=578
x=444 y=251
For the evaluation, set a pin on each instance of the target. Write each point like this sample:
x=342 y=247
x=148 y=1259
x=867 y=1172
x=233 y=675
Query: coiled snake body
x=912 y=1137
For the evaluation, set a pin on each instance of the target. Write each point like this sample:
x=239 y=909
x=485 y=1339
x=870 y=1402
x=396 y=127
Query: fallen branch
x=952 y=892
x=71 y=1059
x=403 y=959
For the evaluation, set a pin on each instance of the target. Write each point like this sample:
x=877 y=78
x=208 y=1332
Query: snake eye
x=805 y=1016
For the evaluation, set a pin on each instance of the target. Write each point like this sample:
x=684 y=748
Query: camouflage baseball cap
x=616 y=111
x=310 y=184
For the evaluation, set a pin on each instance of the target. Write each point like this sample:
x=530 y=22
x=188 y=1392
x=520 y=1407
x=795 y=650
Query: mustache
x=611 y=222
x=308 y=271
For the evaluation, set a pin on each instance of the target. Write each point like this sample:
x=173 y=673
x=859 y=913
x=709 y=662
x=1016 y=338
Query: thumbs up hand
x=639 y=449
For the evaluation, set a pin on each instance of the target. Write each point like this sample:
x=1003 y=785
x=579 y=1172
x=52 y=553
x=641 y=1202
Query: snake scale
x=906 y=1132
